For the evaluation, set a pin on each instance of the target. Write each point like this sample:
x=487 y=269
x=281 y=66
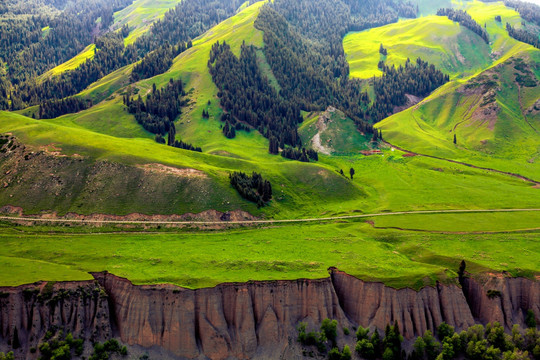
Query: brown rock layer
x=78 y=307
x=510 y=300
x=249 y=320
x=376 y=305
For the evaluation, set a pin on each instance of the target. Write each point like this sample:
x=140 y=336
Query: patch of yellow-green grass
x=140 y=15
x=106 y=88
x=453 y=49
x=72 y=64
x=45 y=31
x=110 y=118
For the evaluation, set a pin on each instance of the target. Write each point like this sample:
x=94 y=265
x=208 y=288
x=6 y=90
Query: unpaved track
x=255 y=222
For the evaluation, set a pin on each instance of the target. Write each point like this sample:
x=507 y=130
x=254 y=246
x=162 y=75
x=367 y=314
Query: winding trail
x=255 y=222
x=524 y=178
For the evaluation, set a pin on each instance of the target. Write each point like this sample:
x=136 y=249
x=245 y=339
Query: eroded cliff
x=249 y=320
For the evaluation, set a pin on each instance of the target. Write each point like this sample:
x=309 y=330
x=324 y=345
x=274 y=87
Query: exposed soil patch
x=205 y=216
x=322 y=124
x=169 y=170
x=411 y=101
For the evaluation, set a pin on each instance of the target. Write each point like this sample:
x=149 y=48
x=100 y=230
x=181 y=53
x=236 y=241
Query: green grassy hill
x=107 y=132
x=493 y=116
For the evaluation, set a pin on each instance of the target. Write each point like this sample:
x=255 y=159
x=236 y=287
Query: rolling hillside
x=101 y=161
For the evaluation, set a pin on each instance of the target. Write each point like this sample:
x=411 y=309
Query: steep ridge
x=250 y=320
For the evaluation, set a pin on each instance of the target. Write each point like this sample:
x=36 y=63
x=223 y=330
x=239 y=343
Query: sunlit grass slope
x=140 y=15
x=501 y=135
x=400 y=259
x=191 y=67
x=453 y=49
x=87 y=53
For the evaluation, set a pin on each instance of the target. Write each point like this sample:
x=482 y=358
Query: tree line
x=308 y=75
x=252 y=188
x=300 y=154
x=110 y=55
x=464 y=19
x=54 y=108
x=478 y=342
x=523 y=35
x=158 y=61
x=158 y=113
x=527 y=10
x=248 y=98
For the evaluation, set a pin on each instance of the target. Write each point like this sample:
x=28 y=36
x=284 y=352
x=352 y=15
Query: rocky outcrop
x=502 y=299
x=238 y=320
x=254 y=319
x=376 y=305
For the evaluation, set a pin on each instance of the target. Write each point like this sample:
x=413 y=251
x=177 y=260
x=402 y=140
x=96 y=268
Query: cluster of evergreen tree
x=189 y=19
x=253 y=188
x=54 y=108
x=161 y=108
x=231 y=125
x=523 y=35
x=300 y=154
x=418 y=79
x=158 y=61
x=4 y=93
x=383 y=51
x=527 y=10
x=28 y=53
x=464 y=19
x=110 y=55
x=248 y=97
x=307 y=74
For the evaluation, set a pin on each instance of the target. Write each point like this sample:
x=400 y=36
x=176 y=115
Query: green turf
x=281 y=252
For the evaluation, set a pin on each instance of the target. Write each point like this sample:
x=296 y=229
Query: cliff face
x=510 y=300
x=250 y=320
x=79 y=307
